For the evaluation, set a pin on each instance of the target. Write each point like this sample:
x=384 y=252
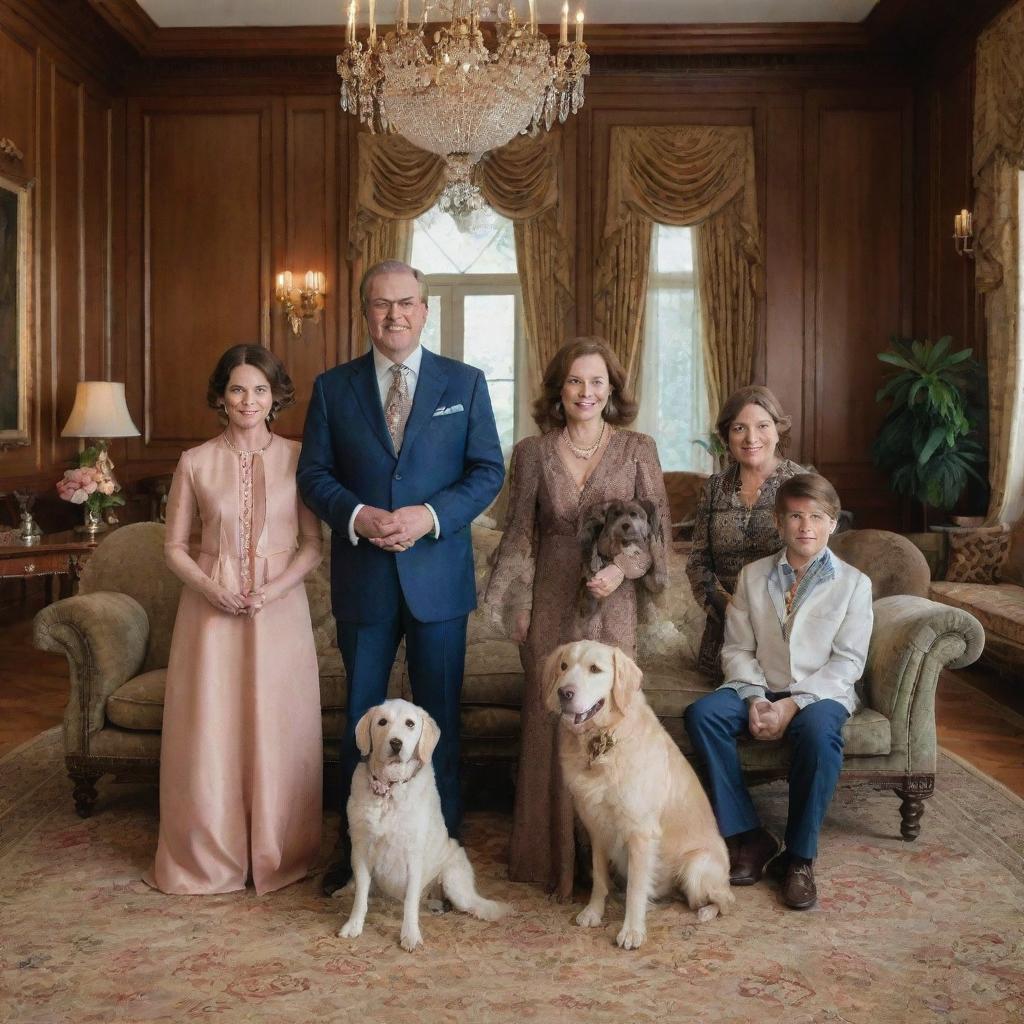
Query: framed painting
x=15 y=327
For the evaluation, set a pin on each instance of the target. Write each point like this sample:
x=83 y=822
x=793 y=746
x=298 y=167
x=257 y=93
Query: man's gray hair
x=392 y=267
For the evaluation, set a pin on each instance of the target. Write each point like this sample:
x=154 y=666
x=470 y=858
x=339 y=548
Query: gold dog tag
x=599 y=745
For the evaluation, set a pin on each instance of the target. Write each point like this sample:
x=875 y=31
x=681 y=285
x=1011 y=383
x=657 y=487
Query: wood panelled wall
x=166 y=206
x=67 y=125
x=223 y=193
x=835 y=196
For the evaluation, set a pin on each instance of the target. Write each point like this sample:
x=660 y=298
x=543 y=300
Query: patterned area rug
x=924 y=931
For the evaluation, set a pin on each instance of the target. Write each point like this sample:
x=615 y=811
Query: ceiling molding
x=910 y=27
x=130 y=21
x=73 y=32
x=149 y=40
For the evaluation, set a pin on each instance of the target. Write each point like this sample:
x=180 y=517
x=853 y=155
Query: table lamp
x=100 y=412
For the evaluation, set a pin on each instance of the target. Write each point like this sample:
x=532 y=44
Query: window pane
x=673 y=407
x=486 y=246
x=490 y=344
x=673 y=250
x=431 y=336
x=503 y=399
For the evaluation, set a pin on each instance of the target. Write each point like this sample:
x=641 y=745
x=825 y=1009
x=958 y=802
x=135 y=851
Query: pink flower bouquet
x=90 y=484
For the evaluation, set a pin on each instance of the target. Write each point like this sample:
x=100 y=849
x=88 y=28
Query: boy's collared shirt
x=783 y=581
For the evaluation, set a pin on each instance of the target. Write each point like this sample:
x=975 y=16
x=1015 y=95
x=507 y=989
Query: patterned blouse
x=726 y=536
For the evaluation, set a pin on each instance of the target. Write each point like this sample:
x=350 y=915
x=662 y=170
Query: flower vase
x=93 y=522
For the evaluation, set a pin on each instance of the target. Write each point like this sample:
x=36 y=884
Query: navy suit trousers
x=816 y=737
x=435 y=654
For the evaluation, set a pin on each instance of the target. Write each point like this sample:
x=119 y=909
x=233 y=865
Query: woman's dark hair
x=281 y=388
x=754 y=394
x=548 y=413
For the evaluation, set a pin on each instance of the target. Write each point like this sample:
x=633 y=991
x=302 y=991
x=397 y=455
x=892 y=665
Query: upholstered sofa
x=984 y=575
x=116 y=635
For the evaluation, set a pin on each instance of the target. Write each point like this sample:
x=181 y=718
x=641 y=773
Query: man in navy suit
x=400 y=454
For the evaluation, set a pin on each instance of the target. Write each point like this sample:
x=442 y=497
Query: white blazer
x=828 y=635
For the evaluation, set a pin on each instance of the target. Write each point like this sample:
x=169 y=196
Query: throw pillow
x=976 y=556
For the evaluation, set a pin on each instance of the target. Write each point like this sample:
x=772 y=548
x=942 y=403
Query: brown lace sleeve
x=704 y=583
x=510 y=587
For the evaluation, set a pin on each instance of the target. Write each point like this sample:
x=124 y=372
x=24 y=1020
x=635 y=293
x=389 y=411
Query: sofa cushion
x=977 y=555
x=139 y=703
x=998 y=606
x=868 y=733
x=493 y=674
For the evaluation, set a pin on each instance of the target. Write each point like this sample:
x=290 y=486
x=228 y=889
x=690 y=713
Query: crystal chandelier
x=457 y=98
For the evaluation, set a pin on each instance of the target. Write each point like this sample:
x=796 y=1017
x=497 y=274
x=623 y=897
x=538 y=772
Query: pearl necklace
x=247 y=451
x=583 y=453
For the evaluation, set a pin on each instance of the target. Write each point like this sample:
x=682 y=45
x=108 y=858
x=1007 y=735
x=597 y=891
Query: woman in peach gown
x=241 y=756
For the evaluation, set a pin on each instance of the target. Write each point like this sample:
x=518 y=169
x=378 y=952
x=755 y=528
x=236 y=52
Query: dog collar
x=383 y=788
x=599 y=745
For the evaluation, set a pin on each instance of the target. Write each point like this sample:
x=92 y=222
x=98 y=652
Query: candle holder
x=302 y=303
x=963 y=233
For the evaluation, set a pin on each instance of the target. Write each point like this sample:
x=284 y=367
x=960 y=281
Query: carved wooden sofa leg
x=85 y=789
x=913 y=793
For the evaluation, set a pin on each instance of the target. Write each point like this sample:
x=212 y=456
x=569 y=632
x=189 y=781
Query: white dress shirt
x=382 y=367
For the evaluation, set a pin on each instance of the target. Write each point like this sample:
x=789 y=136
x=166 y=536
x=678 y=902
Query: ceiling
x=240 y=13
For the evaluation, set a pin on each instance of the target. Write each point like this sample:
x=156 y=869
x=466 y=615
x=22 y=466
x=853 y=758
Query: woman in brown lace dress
x=581 y=460
x=735 y=521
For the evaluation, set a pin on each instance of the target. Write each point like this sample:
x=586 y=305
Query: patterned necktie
x=396 y=408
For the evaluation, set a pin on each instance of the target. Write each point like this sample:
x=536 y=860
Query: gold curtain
x=998 y=163
x=398 y=182
x=684 y=175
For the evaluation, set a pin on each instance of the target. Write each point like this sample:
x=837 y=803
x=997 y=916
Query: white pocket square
x=447 y=410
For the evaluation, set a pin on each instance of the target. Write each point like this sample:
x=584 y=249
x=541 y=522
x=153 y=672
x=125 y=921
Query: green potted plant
x=715 y=447
x=926 y=442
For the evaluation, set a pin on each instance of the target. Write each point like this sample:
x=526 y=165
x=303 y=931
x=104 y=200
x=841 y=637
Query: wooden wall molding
x=62 y=118
x=71 y=35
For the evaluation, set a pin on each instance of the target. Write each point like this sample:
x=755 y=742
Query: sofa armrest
x=913 y=640
x=104 y=637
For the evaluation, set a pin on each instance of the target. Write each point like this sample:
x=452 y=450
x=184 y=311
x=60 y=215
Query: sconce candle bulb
x=963 y=233
x=304 y=303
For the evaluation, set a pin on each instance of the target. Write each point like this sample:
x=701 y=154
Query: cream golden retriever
x=399 y=839
x=640 y=800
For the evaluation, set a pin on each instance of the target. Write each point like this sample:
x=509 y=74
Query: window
x=673 y=395
x=475 y=309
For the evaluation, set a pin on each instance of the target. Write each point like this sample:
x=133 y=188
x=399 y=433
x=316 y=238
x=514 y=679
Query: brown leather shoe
x=798 y=889
x=747 y=866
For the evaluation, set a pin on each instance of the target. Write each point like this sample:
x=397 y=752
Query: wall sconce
x=304 y=303
x=963 y=233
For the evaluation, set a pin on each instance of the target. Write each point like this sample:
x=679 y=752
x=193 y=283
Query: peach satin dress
x=241 y=758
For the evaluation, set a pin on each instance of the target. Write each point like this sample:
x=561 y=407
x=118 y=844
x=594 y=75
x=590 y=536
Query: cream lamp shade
x=100 y=410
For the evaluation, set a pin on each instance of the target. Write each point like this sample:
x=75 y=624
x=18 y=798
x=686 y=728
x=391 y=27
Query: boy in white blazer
x=796 y=637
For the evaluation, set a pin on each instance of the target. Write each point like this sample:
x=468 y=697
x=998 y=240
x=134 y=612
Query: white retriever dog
x=640 y=800
x=399 y=839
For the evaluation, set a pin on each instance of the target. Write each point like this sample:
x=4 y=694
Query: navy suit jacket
x=450 y=458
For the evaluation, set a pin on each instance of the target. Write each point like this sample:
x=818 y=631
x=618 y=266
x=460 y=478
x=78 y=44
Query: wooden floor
x=980 y=714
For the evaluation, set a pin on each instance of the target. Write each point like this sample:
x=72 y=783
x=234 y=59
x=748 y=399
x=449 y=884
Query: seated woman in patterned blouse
x=735 y=522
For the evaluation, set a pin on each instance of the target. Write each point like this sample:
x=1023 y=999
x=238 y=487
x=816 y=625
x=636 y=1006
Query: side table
x=57 y=555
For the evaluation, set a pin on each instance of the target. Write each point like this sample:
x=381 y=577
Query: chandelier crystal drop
x=456 y=97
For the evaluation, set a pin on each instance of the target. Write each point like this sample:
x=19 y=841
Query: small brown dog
x=611 y=529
